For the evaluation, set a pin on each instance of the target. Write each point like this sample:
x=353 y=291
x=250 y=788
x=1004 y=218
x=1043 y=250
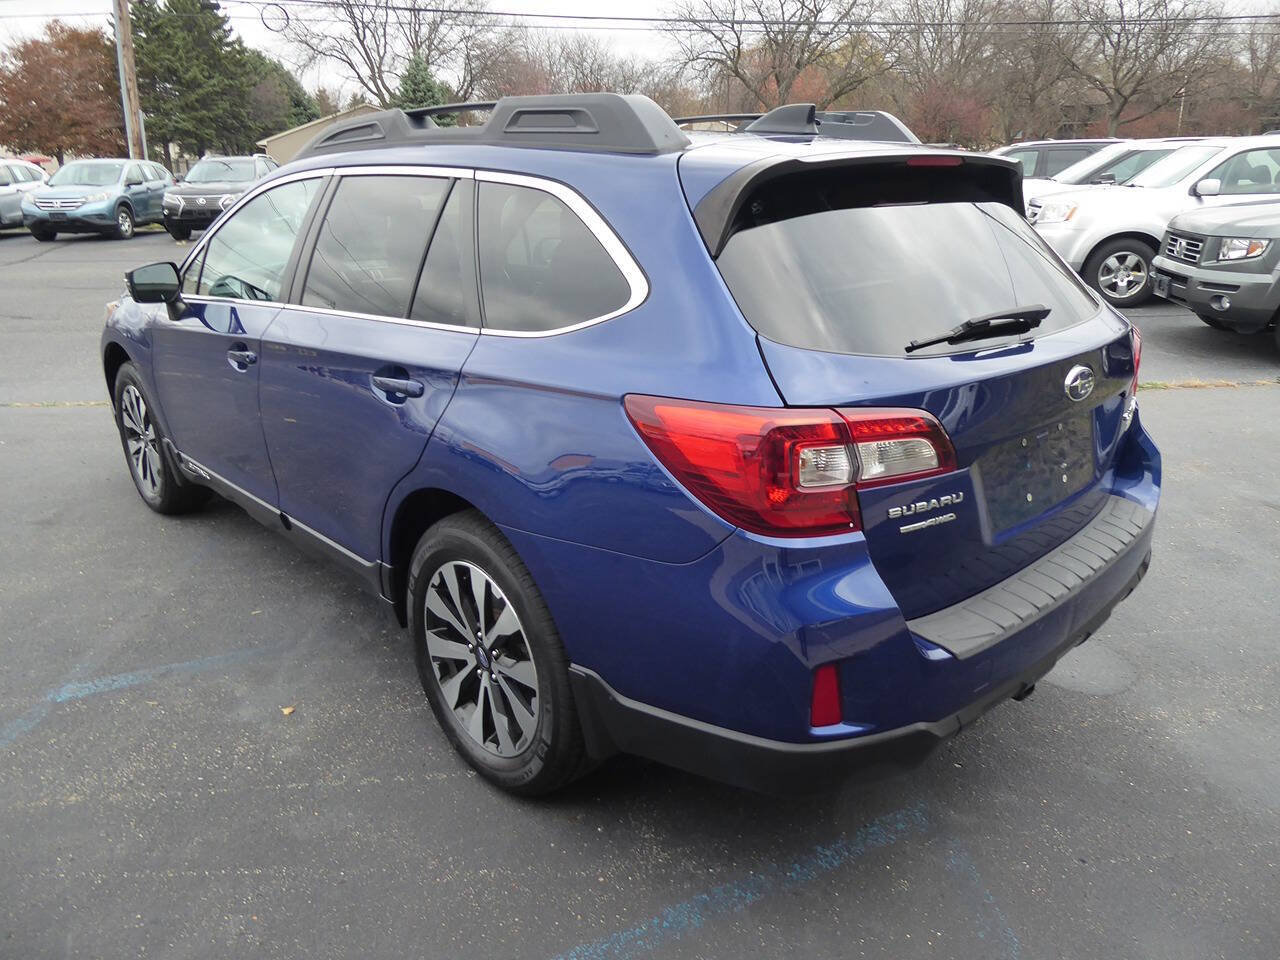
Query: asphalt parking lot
x=156 y=801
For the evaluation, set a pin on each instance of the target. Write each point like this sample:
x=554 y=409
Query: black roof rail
x=717 y=117
x=599 y=122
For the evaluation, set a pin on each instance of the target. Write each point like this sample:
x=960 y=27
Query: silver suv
x=1110 y=234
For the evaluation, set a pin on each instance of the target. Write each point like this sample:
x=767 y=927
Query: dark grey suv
x=1223 y=264
x=209 y=188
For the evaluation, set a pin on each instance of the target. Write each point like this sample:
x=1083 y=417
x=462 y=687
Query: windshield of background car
x=868 y=280
x=222 y=171
x=1170 y=170
x=88 y=175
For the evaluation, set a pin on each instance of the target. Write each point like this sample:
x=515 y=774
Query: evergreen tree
x=418 y=88
x=277 y=101
x=192 y=76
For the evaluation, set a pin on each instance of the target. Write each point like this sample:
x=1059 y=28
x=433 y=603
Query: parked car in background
x=1115 y=163
x=110 y=197
x=1111 y=234
x=1047 y=158
x=771 y=456
x=209 y=188
x=1224 y=265
x=17 y=179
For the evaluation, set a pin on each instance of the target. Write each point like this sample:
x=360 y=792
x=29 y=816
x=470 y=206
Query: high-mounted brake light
x=788 y=472
x=934 y=160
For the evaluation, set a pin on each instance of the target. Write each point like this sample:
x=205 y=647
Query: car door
x=207 y=348
x=1028 y=159
x=156 y=183
x=358 y=369
x=1057 y=159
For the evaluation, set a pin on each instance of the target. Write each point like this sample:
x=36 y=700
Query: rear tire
x=43 y=234
x=490 y=658
x=178 y=233
x=153 y=474
x=1121 y=271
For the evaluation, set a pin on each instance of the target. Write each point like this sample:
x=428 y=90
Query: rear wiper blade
x=1003 y=323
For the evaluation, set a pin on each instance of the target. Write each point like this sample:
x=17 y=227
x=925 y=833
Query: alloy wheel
x=481 y=659
x=141 y=440
x=124 y=223
x=1122 y=275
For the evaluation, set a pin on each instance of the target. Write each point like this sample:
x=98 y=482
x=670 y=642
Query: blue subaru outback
x=776 y=455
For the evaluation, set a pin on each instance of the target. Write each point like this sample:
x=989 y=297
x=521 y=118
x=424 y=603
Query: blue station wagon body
x=591 y=346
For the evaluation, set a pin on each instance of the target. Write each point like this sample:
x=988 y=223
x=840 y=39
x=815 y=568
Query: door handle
x=241 y=359
x=406 y=388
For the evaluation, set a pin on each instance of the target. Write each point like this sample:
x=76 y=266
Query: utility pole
x=134 y=127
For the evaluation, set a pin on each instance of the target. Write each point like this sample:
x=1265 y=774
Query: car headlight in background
x=172 y=200
x=97 y=197
x=227 y=200
x=1242 y=248
x=1056 y=212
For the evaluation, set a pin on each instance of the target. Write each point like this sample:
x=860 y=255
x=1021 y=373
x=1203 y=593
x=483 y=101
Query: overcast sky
x=19 y=18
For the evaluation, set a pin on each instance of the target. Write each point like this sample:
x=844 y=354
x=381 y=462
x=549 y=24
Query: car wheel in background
x=124 y=223
x=157 y=482
x=1213 y=322
x=178 y=232
x=43 y=234
x=1121 y=272
x=490 y=658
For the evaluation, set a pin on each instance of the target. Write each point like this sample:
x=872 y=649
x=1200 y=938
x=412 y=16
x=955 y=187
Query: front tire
x=124 y=223
x=43 y=234
x=153 y=475
x=178 y=232
x=490 y=658
x=1121 y=272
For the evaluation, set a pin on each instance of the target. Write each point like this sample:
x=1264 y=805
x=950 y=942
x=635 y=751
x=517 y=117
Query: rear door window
x=868 y=280
x=541 y=268
x=371 y=244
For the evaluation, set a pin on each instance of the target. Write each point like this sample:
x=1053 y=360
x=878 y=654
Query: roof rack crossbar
x=444 y=109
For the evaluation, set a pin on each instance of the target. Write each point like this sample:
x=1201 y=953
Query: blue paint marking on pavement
x=78 y=690
x=993 y=925
x=682 y=918
x=119 y=681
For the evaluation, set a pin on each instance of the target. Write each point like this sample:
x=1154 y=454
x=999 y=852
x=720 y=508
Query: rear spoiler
x=937 y=176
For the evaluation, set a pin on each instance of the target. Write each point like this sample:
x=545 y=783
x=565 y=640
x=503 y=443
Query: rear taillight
x=788 y=472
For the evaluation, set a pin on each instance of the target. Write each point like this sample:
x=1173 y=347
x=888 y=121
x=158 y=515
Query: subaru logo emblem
x=1079 y=383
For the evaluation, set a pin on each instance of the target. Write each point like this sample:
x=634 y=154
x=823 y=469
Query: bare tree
x=371 y=41
x=1141 y=55
x=1034 y=91
x=772 y=46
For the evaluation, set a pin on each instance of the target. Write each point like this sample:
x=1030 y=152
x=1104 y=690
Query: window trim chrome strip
x=637 y=282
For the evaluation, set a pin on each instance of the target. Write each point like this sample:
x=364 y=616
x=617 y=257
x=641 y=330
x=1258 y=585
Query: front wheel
x=124 y=224
x=490 y=659
x=1121 y=272
x=158 y=484
x=43 y=234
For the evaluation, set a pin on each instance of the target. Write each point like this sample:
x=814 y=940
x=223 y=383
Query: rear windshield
x=869 y=280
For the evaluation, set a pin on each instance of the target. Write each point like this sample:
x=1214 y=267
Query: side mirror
x=154 y=283
x=1106 y=178
x=1207 y=188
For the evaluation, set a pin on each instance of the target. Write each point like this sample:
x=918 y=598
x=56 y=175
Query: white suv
x=1110 y=234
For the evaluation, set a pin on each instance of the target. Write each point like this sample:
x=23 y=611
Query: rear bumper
x=1254 y=297
x=613 y=723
